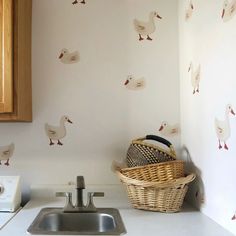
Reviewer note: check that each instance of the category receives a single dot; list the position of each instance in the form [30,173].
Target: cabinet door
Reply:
[6,56]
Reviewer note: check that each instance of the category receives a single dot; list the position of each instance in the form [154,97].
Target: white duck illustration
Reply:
[229,10]
[69,58]
[6,153]
[195,77]
[223,127]
[189,11]
[134,84]
[146,28]
[57,132]
[169,130]
[76,1]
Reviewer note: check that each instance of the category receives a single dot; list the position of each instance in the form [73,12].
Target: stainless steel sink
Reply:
[53,221]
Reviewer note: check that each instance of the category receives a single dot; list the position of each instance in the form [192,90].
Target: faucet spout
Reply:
[80,185]
[80,182]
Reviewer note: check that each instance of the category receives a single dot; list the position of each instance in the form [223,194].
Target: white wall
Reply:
[207,40]
[105,115]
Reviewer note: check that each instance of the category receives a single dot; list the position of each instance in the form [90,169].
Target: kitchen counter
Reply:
[137,222]
[5,217]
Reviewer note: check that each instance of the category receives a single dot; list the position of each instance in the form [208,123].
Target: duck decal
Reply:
[222,127]
[69,58]
[6,153]
[189,11]
[132,83]
[76,1]
[195,77]
[229,10]
[56,133]
[169,130]
[146,28]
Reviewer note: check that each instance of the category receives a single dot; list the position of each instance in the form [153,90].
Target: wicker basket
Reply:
[165,196]
[159,172]
[143,153]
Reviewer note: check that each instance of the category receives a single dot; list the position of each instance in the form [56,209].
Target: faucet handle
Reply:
[68,206]
[90,204]
[96,194]
[63,194]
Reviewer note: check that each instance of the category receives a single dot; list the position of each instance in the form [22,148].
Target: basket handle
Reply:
[185,180]
[167,184]
[160,140]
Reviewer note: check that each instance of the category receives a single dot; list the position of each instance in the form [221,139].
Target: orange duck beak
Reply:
[126,82]
[61,55]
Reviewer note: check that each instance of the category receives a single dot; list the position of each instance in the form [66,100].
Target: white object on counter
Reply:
[10,195]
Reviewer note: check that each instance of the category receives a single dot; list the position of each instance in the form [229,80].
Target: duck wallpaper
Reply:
[189,10]
[105,72]
[67,57]
[76,1]
[56,133]
[229,10]
[89,68]
[145,28]
[195,77]
[223,129]
[133,83]
[166,129]
[207,98]
[6,153]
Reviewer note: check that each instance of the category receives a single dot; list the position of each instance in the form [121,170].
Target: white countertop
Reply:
[5,217]
[138,223]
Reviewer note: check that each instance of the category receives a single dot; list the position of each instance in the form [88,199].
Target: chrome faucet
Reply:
[79,205]
[80,185]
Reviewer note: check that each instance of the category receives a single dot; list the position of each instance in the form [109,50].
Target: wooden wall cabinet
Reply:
[15,60]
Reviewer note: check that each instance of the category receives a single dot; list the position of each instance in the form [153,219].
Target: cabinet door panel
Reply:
[6,56]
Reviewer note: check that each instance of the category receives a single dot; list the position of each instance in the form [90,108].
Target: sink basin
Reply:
[53,221]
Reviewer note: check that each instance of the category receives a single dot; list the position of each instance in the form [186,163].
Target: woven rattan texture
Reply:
[157,199]
[157,187]
[156,172]
[141,154]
